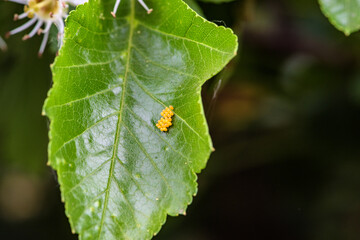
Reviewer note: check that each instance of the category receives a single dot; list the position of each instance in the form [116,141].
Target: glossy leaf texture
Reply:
[119,175]
[344,15]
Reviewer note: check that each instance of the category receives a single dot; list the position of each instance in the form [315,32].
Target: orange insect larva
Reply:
[166,121]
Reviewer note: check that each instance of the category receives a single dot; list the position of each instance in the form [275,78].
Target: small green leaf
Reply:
[119,175]
[343,14]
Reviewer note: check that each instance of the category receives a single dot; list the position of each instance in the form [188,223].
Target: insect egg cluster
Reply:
[166,121]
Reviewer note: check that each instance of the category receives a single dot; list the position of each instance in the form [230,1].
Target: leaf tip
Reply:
[347,32]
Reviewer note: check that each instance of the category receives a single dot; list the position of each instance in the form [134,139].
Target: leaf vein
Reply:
[87,97]
[150,158]
[87,176]
[89,64]
[133,179]
[132,208]
[72,139]
[97,33]
[159,101]
[154,131]
[148,60]
[184,38]
[118,127]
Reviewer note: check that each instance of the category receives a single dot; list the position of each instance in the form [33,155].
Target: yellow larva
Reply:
[166,121]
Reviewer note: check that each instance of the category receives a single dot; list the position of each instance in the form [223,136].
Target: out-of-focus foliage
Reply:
[24,82]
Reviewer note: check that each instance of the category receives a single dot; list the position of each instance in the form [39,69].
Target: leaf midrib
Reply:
[118,127]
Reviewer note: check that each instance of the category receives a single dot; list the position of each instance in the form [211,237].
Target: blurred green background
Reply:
[284,117]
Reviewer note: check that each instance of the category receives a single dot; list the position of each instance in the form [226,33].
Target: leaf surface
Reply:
[217,1]
[119,175]
[343,14]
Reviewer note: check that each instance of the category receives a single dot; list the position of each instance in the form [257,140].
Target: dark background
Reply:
[284,117]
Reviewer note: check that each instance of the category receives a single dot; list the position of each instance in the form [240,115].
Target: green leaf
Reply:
[119,175]
[344,15]
[217,1]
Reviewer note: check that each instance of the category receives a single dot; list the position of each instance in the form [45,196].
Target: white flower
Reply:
[2,44]
[117,3]
[43,12]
